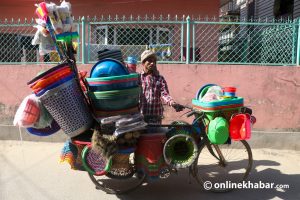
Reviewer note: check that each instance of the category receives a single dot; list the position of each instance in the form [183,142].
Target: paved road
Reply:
[31,170]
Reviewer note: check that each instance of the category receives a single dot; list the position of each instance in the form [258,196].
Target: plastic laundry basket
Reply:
[67,106]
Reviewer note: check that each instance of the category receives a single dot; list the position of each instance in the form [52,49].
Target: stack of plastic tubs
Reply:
[218,113]
[112,90]
[218,108]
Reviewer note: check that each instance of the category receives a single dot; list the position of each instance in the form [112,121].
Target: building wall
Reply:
[272,92]
[264,9]
[25,8]
[296,13]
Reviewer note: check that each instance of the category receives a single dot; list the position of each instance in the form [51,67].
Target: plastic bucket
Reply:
[149,154]
[240,127]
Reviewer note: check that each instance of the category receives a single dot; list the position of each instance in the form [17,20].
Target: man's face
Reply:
[150,64]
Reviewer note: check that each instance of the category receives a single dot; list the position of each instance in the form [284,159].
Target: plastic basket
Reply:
[121,167]
[67,106]
[94,163]
[149,154]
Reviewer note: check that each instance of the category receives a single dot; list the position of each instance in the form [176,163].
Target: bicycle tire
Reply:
[217,176]
[117,185]
[111,185]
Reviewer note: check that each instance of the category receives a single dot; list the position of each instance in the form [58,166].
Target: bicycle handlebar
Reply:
[192,111]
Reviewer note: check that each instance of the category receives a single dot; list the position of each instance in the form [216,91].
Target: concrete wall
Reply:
[272,92]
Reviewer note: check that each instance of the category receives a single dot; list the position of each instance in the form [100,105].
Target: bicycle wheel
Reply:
[218,167]
[118,185]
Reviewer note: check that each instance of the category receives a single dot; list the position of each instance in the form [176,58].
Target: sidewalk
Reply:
[31,171]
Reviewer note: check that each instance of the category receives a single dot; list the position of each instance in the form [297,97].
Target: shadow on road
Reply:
[181,187]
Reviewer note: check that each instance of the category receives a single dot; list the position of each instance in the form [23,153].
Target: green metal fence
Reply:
[175,39]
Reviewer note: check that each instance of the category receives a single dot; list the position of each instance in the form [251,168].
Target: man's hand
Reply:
[177,107]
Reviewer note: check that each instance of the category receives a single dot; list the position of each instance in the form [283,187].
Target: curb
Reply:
[259,139]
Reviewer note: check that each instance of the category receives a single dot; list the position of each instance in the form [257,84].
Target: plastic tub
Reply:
[115,99]
[108,67]
[113,82]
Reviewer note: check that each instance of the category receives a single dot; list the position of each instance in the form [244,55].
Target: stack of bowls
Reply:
[51,79]
[229,92]
[112,90]
[106,53]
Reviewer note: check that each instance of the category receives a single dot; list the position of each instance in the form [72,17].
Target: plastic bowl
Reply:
[229,89]
[203,90]
[48,80]
[54,85]
[113,82]
[43,74]
[218,130]
[108,67]
[115,99]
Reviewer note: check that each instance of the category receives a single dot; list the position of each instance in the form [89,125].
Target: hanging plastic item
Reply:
[218,132]
[240,127]
[42,11]
[28,112]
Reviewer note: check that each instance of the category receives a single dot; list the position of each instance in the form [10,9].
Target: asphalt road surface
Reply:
[31,170]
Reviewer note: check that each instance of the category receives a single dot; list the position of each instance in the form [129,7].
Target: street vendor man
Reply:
[155,90]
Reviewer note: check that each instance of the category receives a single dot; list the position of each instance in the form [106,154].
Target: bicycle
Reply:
[231,161]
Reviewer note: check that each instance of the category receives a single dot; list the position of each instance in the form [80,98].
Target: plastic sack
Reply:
[28,112]
[212,94]
[42,11]
[54,18]
[46,44]
[112,119]
[125,121]
[141,125]
[64,11]
[45,119]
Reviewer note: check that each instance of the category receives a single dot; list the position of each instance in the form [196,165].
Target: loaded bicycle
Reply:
[165,149]
[103,110]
